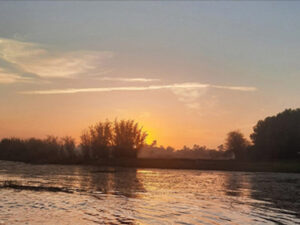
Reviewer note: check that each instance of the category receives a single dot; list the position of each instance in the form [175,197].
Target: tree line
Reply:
[274,138]
[196,152]
[103,140]
[48,150]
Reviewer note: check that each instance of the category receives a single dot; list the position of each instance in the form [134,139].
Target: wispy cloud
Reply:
[189,96]
[198,99]
[7,77]
[12,50]
[176,88]
[137,79]
[45,62]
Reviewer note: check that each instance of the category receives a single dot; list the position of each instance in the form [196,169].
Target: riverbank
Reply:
[288,166]
[227,165]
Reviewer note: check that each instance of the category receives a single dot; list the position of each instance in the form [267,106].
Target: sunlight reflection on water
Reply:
[146,196]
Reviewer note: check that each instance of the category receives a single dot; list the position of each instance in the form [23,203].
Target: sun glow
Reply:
[151,137]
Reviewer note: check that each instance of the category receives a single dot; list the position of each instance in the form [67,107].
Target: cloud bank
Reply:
[47,63]
[44,63]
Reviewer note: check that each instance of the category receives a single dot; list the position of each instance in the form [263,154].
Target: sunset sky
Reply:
[189,72]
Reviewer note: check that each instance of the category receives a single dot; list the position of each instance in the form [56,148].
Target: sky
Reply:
[188,71]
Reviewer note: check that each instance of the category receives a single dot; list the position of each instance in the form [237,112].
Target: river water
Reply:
[55,194]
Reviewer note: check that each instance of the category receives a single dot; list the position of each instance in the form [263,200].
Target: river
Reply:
[56,194]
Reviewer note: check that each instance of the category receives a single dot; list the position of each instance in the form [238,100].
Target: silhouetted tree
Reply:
[49,150]
[85,145]
[101,139]
[197,152]
[237,143]
[35,150]
[13,149]
[52,149]
[128,138]
[122,138]
[278,137]
[220,148]
[68,148]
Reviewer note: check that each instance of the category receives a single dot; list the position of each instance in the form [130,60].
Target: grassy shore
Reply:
[227,165]
[284,166]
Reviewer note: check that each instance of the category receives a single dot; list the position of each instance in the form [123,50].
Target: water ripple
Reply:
[49,194]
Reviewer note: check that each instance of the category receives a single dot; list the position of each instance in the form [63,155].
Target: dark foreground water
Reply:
[52,194]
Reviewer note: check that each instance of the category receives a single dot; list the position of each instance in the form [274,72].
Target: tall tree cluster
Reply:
[237,143]
[278,137]
[275,137]
[116,139]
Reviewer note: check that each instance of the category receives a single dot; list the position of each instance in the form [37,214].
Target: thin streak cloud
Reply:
[186,86]
[124,79]
[234,88]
